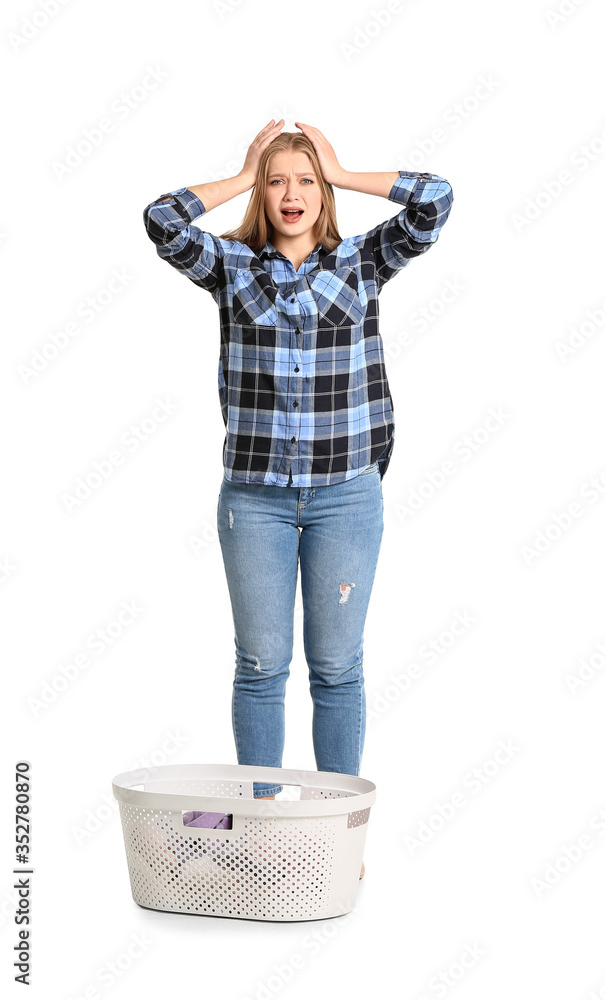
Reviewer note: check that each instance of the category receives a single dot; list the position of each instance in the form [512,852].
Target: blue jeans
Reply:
[336,531]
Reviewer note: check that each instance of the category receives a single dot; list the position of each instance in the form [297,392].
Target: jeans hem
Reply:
[262,794]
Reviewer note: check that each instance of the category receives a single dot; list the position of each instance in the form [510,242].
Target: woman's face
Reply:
[292,183]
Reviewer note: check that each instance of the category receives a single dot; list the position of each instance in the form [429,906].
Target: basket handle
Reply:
[210,824]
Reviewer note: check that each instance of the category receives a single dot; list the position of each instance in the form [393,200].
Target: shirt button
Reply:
[298,331]
[292,300]
[294,403]
[297,369]
[293,440]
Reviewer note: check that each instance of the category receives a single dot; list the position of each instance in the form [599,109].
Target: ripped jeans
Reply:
[336,532]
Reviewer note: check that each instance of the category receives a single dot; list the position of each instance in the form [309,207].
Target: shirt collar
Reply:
[270,251]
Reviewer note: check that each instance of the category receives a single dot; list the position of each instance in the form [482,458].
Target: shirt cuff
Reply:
[406,184]
[187,201]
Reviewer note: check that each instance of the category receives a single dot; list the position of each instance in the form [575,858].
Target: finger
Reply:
[270,125]
[261,133]
[313,133]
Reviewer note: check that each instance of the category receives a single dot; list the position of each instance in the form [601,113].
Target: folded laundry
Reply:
[208,820]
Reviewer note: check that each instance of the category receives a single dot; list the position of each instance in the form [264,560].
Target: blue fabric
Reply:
[338,546]
[302,382]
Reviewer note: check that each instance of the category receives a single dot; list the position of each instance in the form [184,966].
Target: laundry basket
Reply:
[293,859]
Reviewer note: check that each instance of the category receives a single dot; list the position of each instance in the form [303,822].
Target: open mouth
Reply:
[291,215]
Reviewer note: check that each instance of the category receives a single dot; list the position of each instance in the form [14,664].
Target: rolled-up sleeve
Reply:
[195,253]
[427,201]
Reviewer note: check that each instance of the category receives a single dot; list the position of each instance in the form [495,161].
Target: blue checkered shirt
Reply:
[301,378]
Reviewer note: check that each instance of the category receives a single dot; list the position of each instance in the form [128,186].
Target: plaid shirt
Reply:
[301,378]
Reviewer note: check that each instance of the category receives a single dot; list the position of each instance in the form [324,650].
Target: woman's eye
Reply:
[278,180]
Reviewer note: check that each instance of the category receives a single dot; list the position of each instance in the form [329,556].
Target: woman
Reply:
[308,415]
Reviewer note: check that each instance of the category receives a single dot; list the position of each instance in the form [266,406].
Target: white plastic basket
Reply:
[281,860]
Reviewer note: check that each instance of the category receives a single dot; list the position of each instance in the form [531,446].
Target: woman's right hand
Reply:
[256,148]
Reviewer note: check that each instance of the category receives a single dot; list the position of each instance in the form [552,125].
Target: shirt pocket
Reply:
[254,297]
[337,296]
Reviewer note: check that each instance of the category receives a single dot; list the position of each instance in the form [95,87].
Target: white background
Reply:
[512,95]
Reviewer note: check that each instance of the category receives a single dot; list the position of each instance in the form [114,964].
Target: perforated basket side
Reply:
[266,868]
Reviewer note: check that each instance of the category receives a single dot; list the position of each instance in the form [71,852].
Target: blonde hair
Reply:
[255,228]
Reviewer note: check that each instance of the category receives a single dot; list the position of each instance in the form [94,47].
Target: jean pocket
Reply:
[370,468]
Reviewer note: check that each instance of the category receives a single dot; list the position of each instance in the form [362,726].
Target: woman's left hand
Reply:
[330,167]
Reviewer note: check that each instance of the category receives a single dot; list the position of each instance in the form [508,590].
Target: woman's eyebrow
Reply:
[302,174]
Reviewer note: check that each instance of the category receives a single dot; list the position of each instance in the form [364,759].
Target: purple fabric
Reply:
[208,820]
